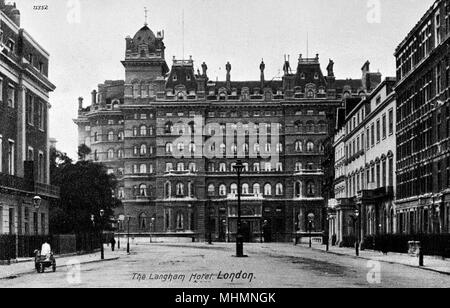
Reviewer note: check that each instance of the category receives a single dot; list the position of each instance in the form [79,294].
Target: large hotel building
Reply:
[133,127]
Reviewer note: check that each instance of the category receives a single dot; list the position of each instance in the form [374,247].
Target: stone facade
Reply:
[365,149]
[154,129]
[24,148]
[423,124]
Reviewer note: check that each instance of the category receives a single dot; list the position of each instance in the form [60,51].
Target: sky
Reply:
[86,39]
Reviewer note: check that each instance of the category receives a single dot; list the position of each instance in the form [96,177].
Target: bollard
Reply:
[420,257]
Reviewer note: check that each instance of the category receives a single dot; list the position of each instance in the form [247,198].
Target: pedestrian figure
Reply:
[113,243]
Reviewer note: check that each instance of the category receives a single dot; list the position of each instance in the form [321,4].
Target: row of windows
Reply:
[245,190]
[378,174]
[223,148]
[256,167]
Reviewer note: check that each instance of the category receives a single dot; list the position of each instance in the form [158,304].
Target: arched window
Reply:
[143,150]
[310,146]
[298,126]
[311,189]
[268,147]
[168,127]
[298,167]
[143,130]
[310,126]
[256,167]
[135,131]
[222,190]
[256,148]
[180,147]
[256,189]
[192,167]
[298,189]
[110,154]
[298,146]
[234,189]
[143,190]
[234,148]
[167,190]
[223,167]
[245,189]
[143,222]
[95,137]
[180,189]
[268,190]
[180,166]
[245,147]
[279,189]
[180,221]
[111,136]
[143,169]
[280,148]
[120,154]
[120,136]
[211,190]
[169,148]
[192,148]
[245,167]
[223,148]
[310,94]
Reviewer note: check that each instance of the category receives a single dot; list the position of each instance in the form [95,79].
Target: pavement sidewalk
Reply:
[26,266]
[431,263]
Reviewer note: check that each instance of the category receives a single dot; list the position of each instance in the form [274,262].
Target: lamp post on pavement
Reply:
[357,232]
[152,223]
[239,237]
[311,217]
[128,236]
[102,248]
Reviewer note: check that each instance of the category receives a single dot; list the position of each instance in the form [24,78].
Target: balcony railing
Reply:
[13,182]
[47,190]
[17,183]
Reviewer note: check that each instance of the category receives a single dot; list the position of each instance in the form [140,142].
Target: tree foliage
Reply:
[86,188]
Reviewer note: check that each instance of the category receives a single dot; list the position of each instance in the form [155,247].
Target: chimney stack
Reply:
[80,103]
[94,97]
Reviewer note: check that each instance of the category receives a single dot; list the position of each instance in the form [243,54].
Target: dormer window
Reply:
[175,78]
[188,78]
[316,76]
[302,76]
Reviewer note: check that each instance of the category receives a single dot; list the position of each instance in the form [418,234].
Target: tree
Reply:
[86,188]
[83,151]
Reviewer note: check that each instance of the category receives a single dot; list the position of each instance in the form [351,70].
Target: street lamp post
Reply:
[310,223]
[102,248]
[357,232]
[239,237]
[152,223]
[128,235]
[327,233]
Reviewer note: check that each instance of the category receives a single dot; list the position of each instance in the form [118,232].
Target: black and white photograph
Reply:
[224,150]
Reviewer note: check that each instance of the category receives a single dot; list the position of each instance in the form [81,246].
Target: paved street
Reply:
[268,265]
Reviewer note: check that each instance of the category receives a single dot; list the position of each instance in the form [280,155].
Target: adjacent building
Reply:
[365,149]
[423,124]
[24,135]
[172,137]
